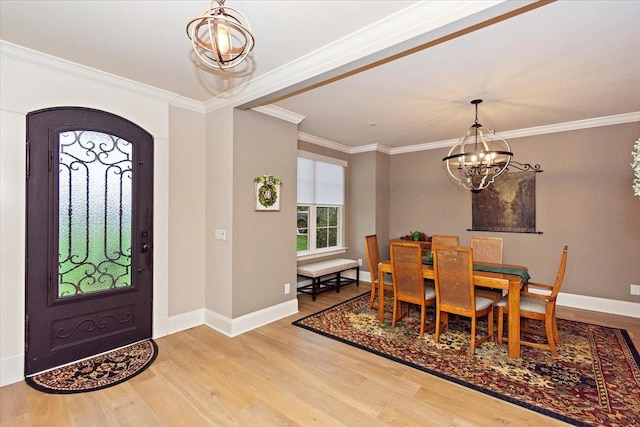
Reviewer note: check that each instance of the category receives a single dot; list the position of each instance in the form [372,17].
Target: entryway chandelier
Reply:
[221,36]
[479,157]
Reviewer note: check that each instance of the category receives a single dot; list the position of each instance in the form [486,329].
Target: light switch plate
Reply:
[221,234]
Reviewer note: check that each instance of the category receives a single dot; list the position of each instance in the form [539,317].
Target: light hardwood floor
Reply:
[277,375]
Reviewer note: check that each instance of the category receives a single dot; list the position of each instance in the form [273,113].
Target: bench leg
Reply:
[358,276]
[338,283]
[315,288]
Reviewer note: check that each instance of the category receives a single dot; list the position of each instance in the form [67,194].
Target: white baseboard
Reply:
[11,370]
[185,321]
[160,326]
[621,308]
[242,324]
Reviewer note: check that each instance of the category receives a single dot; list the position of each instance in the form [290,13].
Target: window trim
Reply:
[311,231]
[324,253]
[321,158]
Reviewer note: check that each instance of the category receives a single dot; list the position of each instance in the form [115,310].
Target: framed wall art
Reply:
[507,205]
[267,193]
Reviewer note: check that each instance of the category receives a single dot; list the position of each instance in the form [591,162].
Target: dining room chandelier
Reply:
[221,36]
[479,157]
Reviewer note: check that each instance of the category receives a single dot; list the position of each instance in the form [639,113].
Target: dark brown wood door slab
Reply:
[89,235]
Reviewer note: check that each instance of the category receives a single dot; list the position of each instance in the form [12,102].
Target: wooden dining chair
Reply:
[535,306]
[455,292]
[487,249]
[408,284]
[372,251]
[445,240]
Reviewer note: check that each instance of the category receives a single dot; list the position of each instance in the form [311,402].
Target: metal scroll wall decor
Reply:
[509,204]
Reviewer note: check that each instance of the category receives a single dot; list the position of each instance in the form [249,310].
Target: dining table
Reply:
[497,276]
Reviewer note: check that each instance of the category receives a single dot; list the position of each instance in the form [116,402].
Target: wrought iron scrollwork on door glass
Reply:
[95,200]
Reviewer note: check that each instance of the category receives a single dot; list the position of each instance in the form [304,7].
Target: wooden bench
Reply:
[325,275]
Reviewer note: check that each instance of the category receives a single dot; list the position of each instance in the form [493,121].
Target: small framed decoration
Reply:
[267,193]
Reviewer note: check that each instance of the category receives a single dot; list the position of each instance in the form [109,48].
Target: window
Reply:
[320,204]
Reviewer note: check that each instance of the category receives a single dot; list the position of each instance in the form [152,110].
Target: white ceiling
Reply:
[562,62]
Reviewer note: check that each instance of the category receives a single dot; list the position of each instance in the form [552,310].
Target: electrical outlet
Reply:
[635,289]
[287,288]
[360,262]
[221,234]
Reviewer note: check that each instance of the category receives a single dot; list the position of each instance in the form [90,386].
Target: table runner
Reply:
[491,269]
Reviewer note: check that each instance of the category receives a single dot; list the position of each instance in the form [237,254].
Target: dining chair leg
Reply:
[472,347]
[438,325]
[490,325]
[501,313]
[442,323]
[445,321]
[550,339]
[374,288]
[394,315]
[556,335]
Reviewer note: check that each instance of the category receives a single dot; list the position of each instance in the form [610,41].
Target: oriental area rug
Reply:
[595,380]
[98,372]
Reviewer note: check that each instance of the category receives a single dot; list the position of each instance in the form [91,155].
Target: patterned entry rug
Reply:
[98,372]
[594,381]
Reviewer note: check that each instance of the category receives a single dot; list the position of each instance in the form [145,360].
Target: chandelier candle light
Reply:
[221,36]
[479,157]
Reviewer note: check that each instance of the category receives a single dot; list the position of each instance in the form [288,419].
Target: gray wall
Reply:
[584,200]
[369,212]
[362,212]
[264,242]
[383,200]
[186,210]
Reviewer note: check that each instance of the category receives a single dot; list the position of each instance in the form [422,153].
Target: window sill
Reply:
[320,254]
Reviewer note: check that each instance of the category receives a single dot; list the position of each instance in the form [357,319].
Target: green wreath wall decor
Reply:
[268,191]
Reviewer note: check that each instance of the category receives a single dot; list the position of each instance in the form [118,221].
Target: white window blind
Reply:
[320,182]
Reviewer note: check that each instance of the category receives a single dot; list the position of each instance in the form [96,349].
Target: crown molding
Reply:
[341,147]
[324,142]
[424,147]
[533,131]
[43,60]
[512,134]
[46,61]
[371,147]
[576,125]
[280,113]
[188,104]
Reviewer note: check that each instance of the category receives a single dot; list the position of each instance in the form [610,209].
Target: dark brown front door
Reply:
[89,228]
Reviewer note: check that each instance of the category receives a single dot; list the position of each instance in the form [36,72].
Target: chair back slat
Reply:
[373,255]
[445,240]
[453,270]
[406,266]
[487,249]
